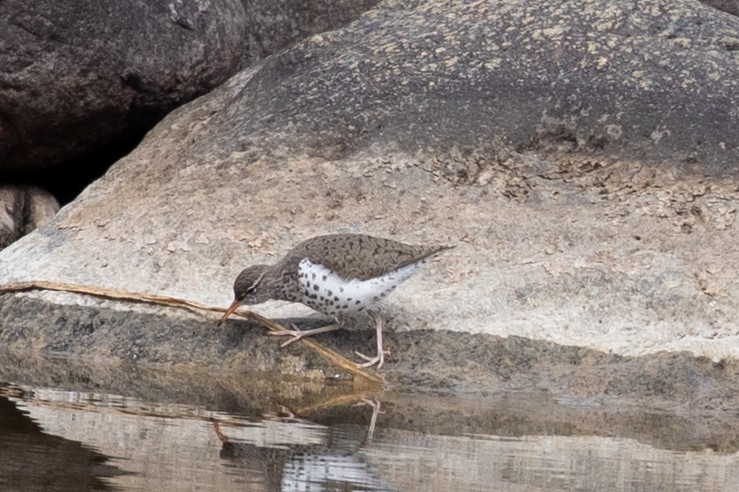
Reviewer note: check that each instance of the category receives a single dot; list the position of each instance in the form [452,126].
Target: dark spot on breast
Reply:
[336,298]
[330,293]
[348,299]
[307,284]
[315,287]
[341,289]
[314,296]
[360,309]
[325,278]
[306,292]
[358,302]
[344,307]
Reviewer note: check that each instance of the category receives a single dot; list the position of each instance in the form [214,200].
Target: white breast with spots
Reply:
[325,291]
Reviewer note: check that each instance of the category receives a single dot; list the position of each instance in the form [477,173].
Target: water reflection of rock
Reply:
[31,459]
[163,432]
[422,443]
[678,427]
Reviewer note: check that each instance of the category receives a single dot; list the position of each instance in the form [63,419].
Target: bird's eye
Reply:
[245,293]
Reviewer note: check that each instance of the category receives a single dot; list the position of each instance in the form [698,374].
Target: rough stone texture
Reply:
[90,72]
[79,73]
[728,6]
[582,155]
[276,24]
[22,210]
[437,361]
[155,339]
[647,83]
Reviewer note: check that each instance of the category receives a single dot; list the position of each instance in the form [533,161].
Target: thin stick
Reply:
[120,295]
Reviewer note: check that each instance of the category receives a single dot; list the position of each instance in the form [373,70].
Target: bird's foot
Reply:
[298,334]
[294,333]
[379,359]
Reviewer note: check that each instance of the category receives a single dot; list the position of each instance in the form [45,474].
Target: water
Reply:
[336,439]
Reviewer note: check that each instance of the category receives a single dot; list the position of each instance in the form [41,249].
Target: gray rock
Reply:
[276,24]
[435,360]
[728,6]
[79,73]
[580,154]
[90,72]
[657,83]
[11,214]
[22,210]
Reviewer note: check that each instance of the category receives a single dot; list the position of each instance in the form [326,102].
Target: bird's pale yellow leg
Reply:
[379,359]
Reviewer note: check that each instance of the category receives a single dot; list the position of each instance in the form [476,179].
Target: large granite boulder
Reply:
[275,24]
[92,72]
[581,155]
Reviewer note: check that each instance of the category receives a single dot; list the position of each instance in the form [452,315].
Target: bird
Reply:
[337,275]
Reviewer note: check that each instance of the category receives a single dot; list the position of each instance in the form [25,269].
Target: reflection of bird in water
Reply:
[332,462]
[375,405]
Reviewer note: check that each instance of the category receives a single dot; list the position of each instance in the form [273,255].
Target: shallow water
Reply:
[59,439]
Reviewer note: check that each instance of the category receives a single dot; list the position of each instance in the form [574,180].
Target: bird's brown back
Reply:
[357,256]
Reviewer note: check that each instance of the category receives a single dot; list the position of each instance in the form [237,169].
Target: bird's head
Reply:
[249,289]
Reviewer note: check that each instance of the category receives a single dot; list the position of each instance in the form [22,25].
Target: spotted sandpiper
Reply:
[337,274]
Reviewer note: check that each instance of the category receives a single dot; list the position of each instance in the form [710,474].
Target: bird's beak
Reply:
[233,307]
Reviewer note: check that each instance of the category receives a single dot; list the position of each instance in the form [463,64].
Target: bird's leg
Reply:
[375,404]
[297,334]
[379,359]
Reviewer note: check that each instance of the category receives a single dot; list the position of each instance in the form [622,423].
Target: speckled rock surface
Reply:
[581,155]
[276,24]
[728,6]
